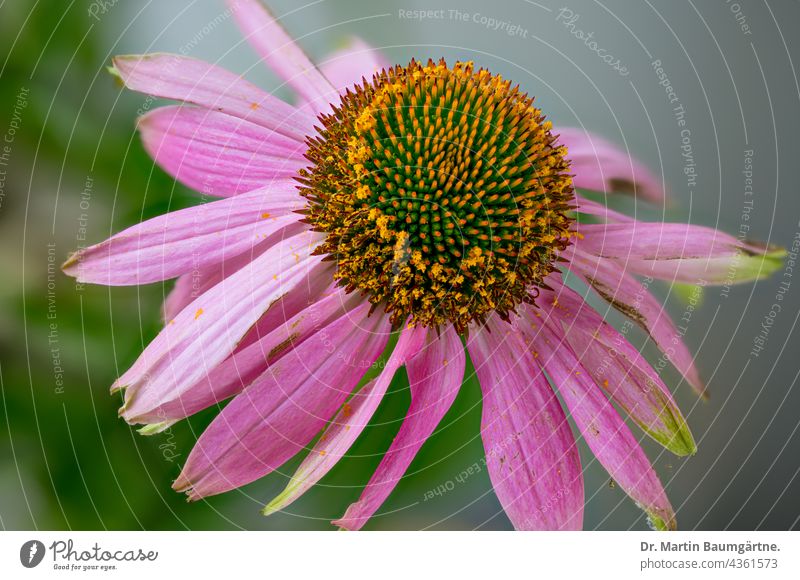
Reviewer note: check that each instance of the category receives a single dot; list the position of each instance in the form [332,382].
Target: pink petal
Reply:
[616,365]
[181,78]
[604,430]
[672,251]
[178,242]
[305,294]
[633,298]
[281,53]
[600,210]
[182,294]
[530,451]
[434,376]
[239,370]
[276,416]
[600,165]
[191,285]
[208,330]
[347,67]
[217,154]
[348,424]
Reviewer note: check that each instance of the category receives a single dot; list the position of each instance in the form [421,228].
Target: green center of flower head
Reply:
[442,193]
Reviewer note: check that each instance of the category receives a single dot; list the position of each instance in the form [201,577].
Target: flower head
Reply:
[441,191]
[430,202]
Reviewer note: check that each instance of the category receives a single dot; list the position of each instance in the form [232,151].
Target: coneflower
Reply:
[432,202]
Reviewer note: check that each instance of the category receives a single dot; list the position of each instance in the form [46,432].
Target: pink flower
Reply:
[427,202]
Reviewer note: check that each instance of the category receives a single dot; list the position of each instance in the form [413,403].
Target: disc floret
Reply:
[442,192]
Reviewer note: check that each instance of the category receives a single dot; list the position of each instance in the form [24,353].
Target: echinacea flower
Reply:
[429,207]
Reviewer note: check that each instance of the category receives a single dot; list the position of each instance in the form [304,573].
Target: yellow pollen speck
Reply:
[255,106]
[198,313]
[265,215]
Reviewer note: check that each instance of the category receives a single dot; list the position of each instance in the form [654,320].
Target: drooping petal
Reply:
[616,365]
[178,242]
[217,154]
[191,285]
[604,430]
[531,454]
[308,292]
[276,417]
[347,425]
[207,331]
[239,370]
[281,53]
[434,377]
[347,66]
[600,165]
[600,210]
[680,252]
[181,295]
[181,78]
[633,299]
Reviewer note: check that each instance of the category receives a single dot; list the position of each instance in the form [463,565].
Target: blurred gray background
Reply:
[68,463]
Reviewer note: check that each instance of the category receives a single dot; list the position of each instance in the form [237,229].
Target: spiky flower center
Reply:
[442,192]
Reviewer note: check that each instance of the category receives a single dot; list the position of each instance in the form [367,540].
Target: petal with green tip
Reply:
[348,424]
[605,432]
[623,373]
